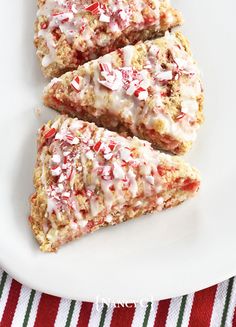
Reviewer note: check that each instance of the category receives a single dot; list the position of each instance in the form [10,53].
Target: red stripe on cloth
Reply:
[123,317]
[47,311]
[234,318]
[85,313]
[162,313]
[202,307]
[11,304]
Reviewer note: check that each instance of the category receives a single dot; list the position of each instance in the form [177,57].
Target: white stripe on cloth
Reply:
[21,307]
[173,312]
[187,311]
[139,314]
[218,306]
[62,313]
[232,306]
[95,315]
[4,297]
[76,313]
[109,314]
[34,309]
[153,313]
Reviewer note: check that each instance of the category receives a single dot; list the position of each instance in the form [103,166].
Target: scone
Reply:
[70,32]
[88,177]
[151,90]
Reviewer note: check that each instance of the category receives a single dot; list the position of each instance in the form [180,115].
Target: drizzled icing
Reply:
[88,24]
[140,96]
[93,171]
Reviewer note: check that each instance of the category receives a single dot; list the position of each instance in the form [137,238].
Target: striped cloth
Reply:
[21,306]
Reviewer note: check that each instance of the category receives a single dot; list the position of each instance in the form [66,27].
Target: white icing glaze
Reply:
[75,19]
[128,52]
[138,97]
[115,178]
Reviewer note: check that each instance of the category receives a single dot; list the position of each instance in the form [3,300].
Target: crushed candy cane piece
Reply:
[50,133]
[76,83]
[66,195]
[73,8]
[56,158]
[56,171]
[108,156]
[165,76]
[97,146]
[105,67]
[90,155]
[141,93]
[154,50]
[62,178]
[93,8]
[65,16]
[112,145]
[118,172]
[44,25]
[180,116]
[125,154]
[104,18]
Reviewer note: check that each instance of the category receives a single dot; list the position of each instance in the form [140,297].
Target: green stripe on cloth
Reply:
[29,307]
[227,301]
[70,313]
[181,311]
[103,315]
[3,281]
[147,314]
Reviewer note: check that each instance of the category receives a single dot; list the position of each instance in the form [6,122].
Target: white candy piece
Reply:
[56,172]
[56,158]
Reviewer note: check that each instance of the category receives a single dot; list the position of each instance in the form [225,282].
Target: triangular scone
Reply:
[151,90]
[70,32]
[88,177]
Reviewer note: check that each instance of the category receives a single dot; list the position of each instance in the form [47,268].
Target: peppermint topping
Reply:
[165,76]
[75,21]
[141,93]
[109,166]
[111,80]
[76,83]
[94,8]
[50,133]
[127,78]
[56,158]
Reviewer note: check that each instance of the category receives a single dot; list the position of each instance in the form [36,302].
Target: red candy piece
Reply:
[180,116]
[76,84]
[44,25]
[190,185]
[50,133]
[138,91]
[105,68]
[97,146]
[112,145]
[93,8]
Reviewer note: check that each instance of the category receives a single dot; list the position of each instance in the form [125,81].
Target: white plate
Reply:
[160,256]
